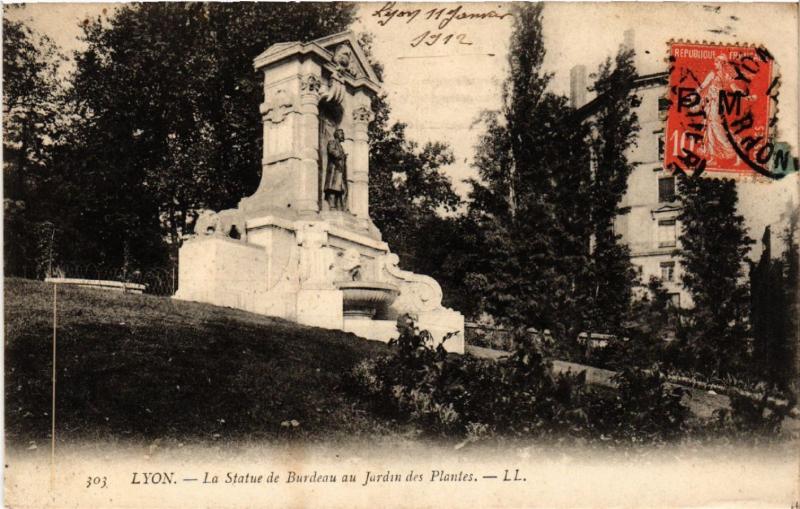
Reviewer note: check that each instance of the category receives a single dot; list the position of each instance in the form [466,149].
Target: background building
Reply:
[651,228]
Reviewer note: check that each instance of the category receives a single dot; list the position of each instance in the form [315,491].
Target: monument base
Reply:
[293,270]
[447,326]
[444,325]
[320,308]
[376,330]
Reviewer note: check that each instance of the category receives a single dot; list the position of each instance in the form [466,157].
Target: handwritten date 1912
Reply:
[431,38]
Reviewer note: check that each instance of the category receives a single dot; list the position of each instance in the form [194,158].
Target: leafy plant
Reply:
[755,419]
[519,396]
[714,246]
[645,408]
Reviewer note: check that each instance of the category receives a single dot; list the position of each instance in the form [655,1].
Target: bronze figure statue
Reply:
[336,174]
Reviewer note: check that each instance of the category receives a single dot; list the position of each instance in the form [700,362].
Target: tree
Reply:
[772,357]
[31,111]
[412,200]
[714,245]
[530,201]
[30,104]
[651,323]
[773,291]
[615,126]
[171,125]
[407,185]
[791,285]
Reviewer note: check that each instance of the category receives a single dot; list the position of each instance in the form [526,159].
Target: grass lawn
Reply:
[143,367]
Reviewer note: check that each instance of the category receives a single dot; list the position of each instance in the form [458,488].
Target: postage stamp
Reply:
[723,100]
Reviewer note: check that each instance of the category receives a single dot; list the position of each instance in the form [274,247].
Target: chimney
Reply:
[577,86]
[629,39]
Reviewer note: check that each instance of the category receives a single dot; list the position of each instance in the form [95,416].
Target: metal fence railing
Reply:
[497,337]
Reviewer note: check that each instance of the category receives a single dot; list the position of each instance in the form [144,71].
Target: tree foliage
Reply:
[791,285]
[30,104]
[550,257]
[407,186]
[615,127]
[32,113]
[773,289]
[714,245]
[169,102]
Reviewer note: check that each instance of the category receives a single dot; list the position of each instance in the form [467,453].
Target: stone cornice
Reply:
[314,49]
[273,221]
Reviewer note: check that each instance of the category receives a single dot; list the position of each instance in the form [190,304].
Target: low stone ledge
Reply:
[99,284]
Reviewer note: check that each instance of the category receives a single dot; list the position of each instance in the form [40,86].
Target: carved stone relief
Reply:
[278,106]
[207,223]
[310,84]
[316,260]
[418,293]
[362,114]
[348,265]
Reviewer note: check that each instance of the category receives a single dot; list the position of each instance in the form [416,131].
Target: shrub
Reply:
[752,419]
[519,396]
[644,408]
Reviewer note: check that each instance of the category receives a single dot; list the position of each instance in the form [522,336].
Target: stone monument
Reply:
[303,246]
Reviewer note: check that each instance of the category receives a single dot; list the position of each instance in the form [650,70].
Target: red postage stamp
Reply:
[719,116]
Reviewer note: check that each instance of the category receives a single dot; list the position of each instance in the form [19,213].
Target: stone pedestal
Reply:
[222,271]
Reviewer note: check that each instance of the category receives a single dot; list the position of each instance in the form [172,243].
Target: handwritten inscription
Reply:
[442,17]
[431,38]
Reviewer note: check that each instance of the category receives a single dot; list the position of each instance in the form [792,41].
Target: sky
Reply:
[439,85]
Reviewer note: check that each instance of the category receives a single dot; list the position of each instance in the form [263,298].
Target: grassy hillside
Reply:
[141,366]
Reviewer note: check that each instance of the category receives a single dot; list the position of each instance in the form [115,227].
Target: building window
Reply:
[661,147]
[667,235]
[663,106]
[675,300]
[667,271]
[666,189]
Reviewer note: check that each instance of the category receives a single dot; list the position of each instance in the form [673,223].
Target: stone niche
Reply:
[290,250]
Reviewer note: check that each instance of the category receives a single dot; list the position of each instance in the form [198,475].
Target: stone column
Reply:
[307,145]
[358,161]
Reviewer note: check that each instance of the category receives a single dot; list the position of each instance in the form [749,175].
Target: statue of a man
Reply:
[336,174]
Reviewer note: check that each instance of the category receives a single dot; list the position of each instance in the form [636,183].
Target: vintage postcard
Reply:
[389,254]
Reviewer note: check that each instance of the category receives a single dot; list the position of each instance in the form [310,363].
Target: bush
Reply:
[644,408]
[518,396]
[751,419]
[461,395]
